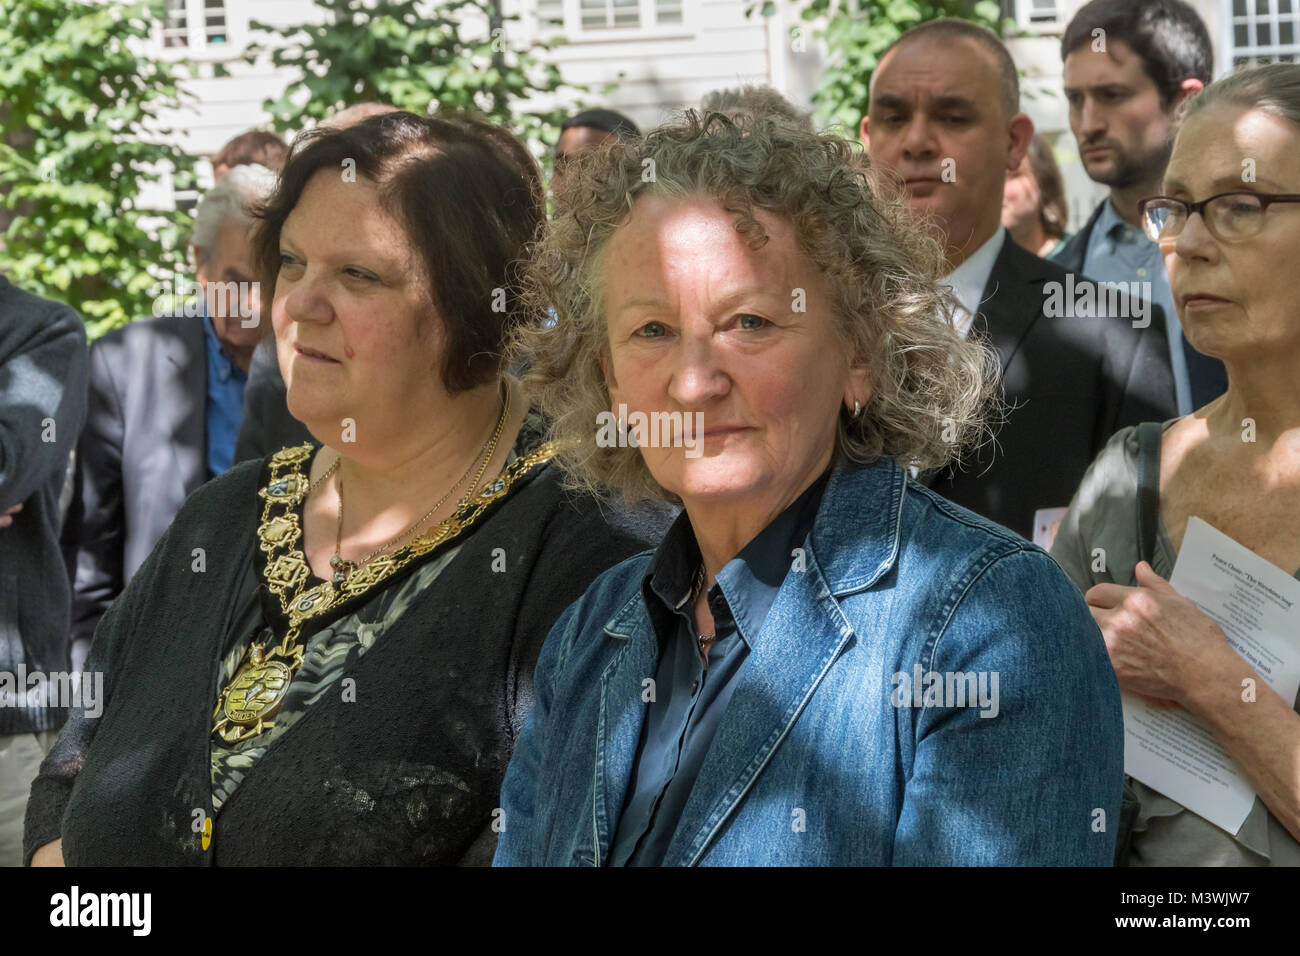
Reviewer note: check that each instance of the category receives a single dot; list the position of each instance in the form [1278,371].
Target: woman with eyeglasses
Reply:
[1229,228]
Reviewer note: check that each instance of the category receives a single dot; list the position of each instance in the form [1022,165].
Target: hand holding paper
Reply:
[1226,612]
[1160,643]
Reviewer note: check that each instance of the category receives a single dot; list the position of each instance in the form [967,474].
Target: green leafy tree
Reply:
[418,56]
[81,137]
[857,33]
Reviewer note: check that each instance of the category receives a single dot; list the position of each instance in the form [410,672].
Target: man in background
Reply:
[253,148]
[944,116]
[1129,68]
[166,397]
[587,130]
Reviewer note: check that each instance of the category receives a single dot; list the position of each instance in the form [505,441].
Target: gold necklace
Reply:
[328,471]
[343,568]
[248,704]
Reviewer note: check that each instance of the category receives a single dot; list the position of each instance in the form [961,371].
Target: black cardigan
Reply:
[407,773]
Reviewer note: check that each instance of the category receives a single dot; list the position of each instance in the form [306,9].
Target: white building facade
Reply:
[663,54]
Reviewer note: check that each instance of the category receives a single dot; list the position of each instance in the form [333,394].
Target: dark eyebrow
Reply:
[954,101]
[1099,88]
[889,101]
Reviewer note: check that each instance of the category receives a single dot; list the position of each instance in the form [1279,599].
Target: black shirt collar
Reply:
[748,583]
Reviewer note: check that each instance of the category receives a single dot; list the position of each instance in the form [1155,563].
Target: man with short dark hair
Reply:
[944,115]
[972,89]
[1129,68]
[587,130]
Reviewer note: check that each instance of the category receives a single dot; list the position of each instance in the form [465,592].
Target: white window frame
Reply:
[1025,7]
[197,47]
[649,27]
[1253,50]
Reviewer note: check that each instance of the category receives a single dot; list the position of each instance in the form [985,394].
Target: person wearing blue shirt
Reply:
[227,376]
[1125,93]
[165,400]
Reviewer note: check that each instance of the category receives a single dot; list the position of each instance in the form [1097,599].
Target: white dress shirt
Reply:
[969,279]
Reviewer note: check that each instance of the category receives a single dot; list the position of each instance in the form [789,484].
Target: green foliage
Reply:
[857,33]
[79,114]
[418,56]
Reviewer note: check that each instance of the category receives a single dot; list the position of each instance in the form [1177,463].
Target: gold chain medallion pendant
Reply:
[252,697]
[248,704]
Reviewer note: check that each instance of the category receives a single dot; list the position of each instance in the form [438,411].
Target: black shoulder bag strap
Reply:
[1148,491]
[1148,517]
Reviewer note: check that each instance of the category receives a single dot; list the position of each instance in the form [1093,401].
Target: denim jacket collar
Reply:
[858,528]
[854,542]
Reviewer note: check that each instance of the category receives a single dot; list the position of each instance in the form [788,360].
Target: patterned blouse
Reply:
[331,650]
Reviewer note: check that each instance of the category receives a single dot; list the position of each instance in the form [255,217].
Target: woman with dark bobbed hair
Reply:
[327,657]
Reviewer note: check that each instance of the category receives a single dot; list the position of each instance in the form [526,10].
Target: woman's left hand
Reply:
[1160,643]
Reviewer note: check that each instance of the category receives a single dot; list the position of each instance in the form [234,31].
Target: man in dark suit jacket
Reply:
[944,115]
[1070,383]
[141,454]
[166,395]
[42,405]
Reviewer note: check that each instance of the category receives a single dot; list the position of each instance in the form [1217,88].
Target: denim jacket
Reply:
[928,689]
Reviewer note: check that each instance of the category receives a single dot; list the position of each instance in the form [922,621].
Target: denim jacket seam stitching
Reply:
[736,790]
[598,789]
[618,618]
[949,510]
[961,590]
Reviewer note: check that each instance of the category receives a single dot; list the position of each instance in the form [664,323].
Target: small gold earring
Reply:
[857,408]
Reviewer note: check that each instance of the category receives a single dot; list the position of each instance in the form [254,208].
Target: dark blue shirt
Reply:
[225,402]
[689,700]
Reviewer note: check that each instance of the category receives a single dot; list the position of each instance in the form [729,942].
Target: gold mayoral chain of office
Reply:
[249,702]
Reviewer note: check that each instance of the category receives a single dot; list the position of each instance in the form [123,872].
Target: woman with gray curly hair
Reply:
[823,662]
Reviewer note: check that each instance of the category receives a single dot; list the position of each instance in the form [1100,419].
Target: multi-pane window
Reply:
[607,14]
[214,21]
[594,17]
[1265,31]
[550,14]
[176,27]
[1033,16]
[668,11]
[194,24]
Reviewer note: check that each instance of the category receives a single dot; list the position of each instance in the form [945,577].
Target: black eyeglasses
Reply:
[1228,216]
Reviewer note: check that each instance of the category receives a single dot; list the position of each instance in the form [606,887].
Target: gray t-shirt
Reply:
[1103,515]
